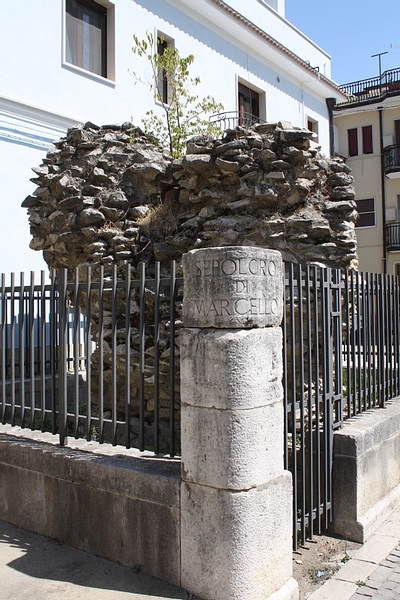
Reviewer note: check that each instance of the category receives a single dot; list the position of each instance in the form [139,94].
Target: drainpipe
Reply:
[383,186]
[330,103]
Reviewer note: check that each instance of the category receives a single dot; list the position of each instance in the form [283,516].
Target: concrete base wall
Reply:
[366,472]
[119,504]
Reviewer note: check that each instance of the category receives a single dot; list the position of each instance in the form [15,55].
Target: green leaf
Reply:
[184,115]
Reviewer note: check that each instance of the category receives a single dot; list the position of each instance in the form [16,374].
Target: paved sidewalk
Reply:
[374,570]
[32,566]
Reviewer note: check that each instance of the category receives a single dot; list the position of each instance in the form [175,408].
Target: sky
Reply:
[351,31]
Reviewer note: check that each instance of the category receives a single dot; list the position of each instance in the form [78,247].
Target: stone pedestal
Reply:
[236,539]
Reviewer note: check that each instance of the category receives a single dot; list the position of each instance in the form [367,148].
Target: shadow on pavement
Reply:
[24,555]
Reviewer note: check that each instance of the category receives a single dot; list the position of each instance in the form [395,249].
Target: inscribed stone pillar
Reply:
[236,540]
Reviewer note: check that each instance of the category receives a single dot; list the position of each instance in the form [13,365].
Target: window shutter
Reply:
[367,139]
[352,141]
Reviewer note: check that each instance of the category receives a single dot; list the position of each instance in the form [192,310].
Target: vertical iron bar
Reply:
[100,342]
[42,342]
[353,343]
[324,365]
[293,407]
[32,348]
[114,353]
[22,348]
[157,358]
[317,304]
[389,349]
[12,371]
[363,367]
[367,329]
[310,405]
[374,298]
[348,329]
[88,347]
[128,356]
[172,358]
[338,342]
[357,340]
[301,400]
[382,340]
[4,349]
[327,384]
[75,345]
[388,346]
[53,345]
[396,301]
[142,340]
[285,377]
[63,426]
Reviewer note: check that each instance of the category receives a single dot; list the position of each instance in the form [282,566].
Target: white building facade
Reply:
[70,61]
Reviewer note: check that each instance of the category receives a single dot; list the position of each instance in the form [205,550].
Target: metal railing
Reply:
[392,233]
[391,158]
[341,358]
[373,88]
[97,358]
[233,119]
[68,335]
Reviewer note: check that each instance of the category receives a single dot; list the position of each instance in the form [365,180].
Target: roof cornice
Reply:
[260,32]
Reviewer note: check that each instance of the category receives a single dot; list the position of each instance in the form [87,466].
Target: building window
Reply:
[366,211]
[163,42]
[86,36]
[312,125]
[397,132]
[367,139]
[249,106]
[352,139]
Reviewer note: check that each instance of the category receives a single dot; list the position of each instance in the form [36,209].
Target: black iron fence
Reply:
[98,357]
[341,358]
[391,159]
[65,348]
[392,234]
[372,88]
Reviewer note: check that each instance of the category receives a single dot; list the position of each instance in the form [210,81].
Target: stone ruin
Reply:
[107,196]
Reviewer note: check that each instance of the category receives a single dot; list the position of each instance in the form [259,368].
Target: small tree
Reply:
[184,114]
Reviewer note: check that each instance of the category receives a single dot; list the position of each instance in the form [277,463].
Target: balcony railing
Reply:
[232,119]
[392,234]
[373,88]
[391,159]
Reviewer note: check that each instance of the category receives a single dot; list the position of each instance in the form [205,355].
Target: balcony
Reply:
[391,161]
[392,236]
[371,90]
[232,119]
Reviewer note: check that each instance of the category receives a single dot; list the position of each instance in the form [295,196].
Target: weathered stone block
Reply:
[236,545]
[239,448]
[109,502]
[234,286]
[231,369]
[366,475]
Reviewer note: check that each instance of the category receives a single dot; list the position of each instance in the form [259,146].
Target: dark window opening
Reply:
[352,139]
[86,35]
[397,132]
[366,211]
[312,125]
[367,139]
[249,106]
[162,83]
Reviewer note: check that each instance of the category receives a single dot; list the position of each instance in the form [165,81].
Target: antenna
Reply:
[393,46]
[379,56]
